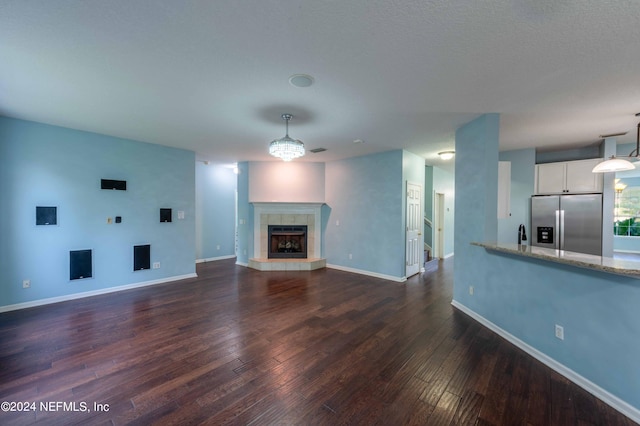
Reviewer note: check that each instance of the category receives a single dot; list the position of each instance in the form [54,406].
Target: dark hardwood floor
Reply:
[240,346]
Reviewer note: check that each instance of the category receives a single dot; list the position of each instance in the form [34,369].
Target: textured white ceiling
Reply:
[212,76]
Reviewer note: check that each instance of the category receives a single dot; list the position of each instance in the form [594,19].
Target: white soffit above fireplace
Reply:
[300,182]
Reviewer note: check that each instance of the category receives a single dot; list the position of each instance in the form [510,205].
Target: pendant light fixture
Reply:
[286,148]
[614,164]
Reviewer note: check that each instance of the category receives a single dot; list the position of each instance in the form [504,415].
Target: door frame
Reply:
[438,224]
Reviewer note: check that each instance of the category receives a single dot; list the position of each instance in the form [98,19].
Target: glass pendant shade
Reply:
[613,165]
[286,148]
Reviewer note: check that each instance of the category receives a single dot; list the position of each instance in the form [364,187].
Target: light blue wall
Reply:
[592,151]
[365,196]
[626,244]
[215,211]
[245,216]
[42,165]
[444,183]
[630,181]
[608,148]
[413,169]
[599,313]
[527,297]
[476,197]
[522,187]
[624,149]
[428,204]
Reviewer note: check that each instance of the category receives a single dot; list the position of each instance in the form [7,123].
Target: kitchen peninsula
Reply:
[581,260]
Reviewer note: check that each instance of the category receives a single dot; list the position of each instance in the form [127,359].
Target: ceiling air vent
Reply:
[317,150]
[611,135]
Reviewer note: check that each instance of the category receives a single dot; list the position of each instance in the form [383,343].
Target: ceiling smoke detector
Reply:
[301,80]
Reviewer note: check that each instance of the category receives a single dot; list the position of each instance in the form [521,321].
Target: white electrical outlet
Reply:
[26,283]
[180,214]
[218,247]
[350,256]
[560,332]
[156,265]
[337,223]
[471,290]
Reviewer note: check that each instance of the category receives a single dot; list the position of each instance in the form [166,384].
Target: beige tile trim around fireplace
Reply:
[265,214]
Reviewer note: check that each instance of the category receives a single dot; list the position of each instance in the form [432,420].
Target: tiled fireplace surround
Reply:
[266,214]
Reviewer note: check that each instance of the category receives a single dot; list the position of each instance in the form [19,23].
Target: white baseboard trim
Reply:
[625,251]
[245,264]
[213,259]
[446,256]
[622,406]
[369,273]
[98,292]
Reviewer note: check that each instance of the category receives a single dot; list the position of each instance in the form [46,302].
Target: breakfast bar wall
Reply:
[524,299]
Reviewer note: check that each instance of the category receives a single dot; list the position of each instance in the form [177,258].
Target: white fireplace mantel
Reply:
[260,209]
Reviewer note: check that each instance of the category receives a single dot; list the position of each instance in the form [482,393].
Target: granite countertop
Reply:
[599,263]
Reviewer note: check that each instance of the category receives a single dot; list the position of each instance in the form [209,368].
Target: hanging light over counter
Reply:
[614,164]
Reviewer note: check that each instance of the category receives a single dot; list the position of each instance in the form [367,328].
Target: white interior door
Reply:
[414,253]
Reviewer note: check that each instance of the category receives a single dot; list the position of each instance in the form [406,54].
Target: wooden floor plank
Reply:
[238,346]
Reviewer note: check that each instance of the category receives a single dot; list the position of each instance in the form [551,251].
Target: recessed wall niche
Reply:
[80,264]
[165,215]
[46,215]
[141,257]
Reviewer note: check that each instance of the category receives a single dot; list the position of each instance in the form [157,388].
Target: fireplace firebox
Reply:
[287,242]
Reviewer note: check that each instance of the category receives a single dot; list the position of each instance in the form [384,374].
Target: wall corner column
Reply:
[476,196]
[608,200]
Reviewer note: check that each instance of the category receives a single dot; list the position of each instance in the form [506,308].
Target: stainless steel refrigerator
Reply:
[567,222]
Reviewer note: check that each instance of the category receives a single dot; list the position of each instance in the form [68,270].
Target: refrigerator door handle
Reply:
[557,243]
[561,229]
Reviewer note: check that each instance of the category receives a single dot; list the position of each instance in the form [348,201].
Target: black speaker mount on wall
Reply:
[165,215]
[141,257]
[120,185]
[80,264]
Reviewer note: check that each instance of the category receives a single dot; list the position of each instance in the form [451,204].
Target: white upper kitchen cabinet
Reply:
[568,177]
[551,178]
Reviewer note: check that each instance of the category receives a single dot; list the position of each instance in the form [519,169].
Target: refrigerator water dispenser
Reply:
[545,234]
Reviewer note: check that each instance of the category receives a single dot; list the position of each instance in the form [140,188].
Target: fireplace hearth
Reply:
[287,241]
